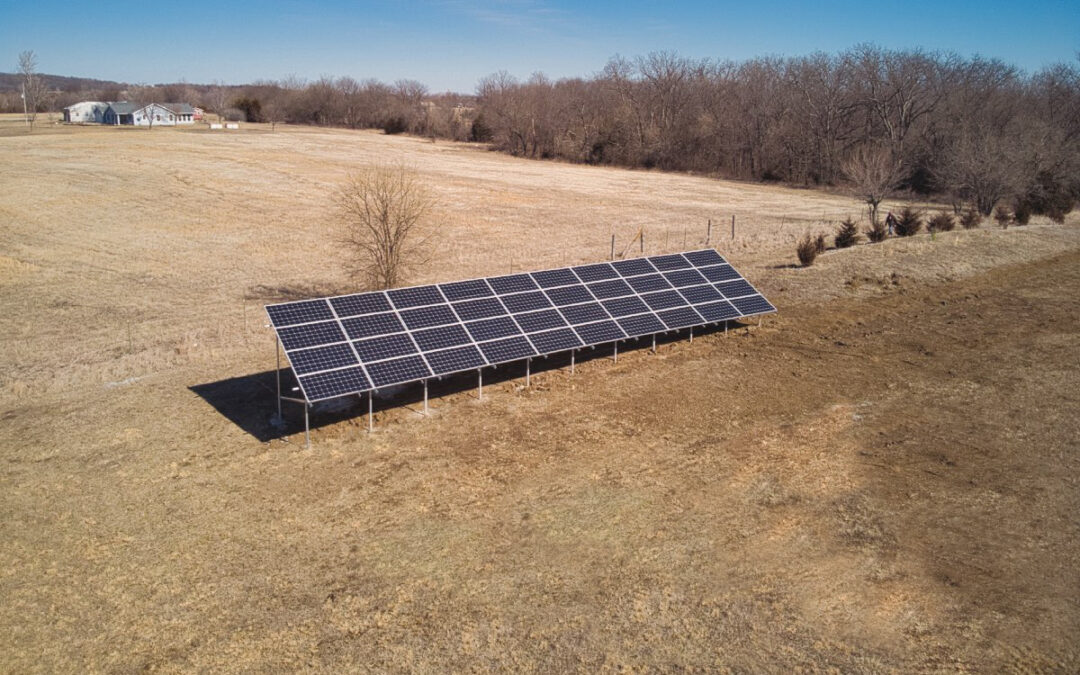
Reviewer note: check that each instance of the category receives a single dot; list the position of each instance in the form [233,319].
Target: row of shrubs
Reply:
[908,223]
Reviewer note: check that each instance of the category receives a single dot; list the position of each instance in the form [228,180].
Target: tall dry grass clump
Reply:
[807,250]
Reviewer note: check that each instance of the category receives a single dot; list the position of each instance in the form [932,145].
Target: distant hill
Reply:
[13,82]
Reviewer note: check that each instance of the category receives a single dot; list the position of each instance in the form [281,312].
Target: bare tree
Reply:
[143,97]
[217,100]
[273,111]
[874,172]
[34,93]
[384,210]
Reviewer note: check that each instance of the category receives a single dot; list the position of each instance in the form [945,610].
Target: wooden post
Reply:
[641,241]
[612,247]
[708,232]
[733,227]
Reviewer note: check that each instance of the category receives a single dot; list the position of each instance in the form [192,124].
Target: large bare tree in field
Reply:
[385,210]
[34,92]
[874,172]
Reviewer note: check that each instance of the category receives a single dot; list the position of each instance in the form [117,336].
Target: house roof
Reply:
[179,108]
[123,107]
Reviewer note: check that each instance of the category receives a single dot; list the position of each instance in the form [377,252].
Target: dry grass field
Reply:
[883,477]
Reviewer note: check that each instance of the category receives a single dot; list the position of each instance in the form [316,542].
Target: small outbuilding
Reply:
[86,112]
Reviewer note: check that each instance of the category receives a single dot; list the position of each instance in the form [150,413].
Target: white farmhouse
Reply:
[92,112]
[164,114]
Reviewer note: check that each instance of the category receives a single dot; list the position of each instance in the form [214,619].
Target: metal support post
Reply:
[725,327]
[307,432]
[480,383]
[654,343]
[691,335]
[370,415]
[528,368]
[573,352]
[425,399]
[759,320]
[277,354]
[616,352]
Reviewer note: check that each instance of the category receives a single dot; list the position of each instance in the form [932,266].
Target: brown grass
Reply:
[860,485]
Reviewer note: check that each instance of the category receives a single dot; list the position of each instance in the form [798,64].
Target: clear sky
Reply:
[450,44]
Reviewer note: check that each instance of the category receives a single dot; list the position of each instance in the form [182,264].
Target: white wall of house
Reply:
[86,112]
[160,115]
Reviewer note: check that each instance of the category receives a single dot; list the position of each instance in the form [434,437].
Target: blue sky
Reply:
[450,44]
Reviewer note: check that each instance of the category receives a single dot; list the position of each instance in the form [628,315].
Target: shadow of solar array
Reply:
[356,343]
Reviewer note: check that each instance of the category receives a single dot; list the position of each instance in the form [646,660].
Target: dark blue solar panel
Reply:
[569,295]
[596,272]
[599,333]
[373,324]
[322,358]
[555,341]
[754,304]
[611,289]
[299,312]
[503,351]
[441,337]
[397,371]
[698,294]
[717,311]
[525,302]
[464,290]
[642,324]
[702,258]
[417,296]
[625,306]
[552,278]
[684,278]
[479,309]
[720,273]
[680,318]
[490,329]
[535,321]
[735,289]
[428,316]
[310,335]
[455,360]
[321,386]
[633,267]
[666,263]
[384,347]
[513,283]
[663,300]
[586,313]
[363,303]
[649,282]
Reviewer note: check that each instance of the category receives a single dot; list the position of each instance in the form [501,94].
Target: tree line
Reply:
[975,131]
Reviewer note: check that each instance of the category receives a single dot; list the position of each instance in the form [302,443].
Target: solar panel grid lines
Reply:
[334,383]
[433,330]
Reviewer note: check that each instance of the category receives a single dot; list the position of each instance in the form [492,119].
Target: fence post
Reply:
[708,232]
[733,227]
[612,247]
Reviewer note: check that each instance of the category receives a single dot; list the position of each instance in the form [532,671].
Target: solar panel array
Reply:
[356,343]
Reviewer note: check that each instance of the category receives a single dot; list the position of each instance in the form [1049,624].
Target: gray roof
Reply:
[179,108]
[127,107]
[123,107]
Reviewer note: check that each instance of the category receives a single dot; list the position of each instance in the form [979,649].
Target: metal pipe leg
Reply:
[691,335]
[759,321]
[425,399]
[307,432]
[654,343]
[277,353]
[573,352]
[616,352]
[725,327]
[370,415]
[480,384]
[528,367]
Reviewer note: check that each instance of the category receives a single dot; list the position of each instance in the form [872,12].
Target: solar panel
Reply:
[479,309]
[525,302]
[384,347]
[350,344]
[293,313]
[398,371]
[665,263]
[614,288]
[504,351]
[569,295]
[362,303]
[597,272]
[633,267]
[441,337]
[705,257]
[491,329]
[555,341]
[537,321]
[586,313]
[417,296]
[455,360]
[424,317]
[464,290]
[600,332]
[513,283]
